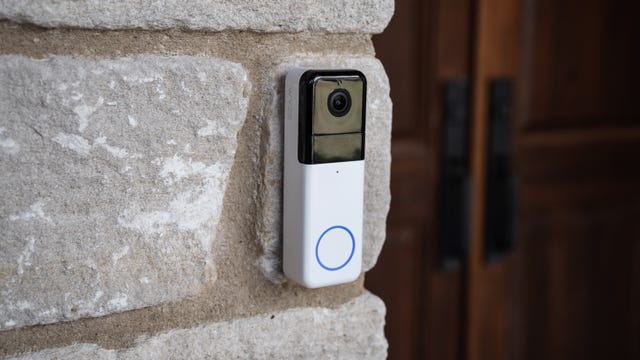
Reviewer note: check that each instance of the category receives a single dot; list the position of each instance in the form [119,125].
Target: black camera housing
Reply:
[331,118]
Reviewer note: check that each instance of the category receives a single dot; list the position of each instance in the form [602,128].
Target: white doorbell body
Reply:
[324,132]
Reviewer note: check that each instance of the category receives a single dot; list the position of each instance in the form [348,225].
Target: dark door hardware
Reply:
[455,185]
[500,219]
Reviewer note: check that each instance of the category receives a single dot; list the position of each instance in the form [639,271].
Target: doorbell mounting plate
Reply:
[324,142]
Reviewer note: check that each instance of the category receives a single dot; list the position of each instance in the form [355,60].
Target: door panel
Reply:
[569,290]
[490,301]
[448,57]
[578,143]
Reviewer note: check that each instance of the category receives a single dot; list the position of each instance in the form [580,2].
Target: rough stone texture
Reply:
[113,173]
[358,16]
[240,290]
[352,331]
[377,159]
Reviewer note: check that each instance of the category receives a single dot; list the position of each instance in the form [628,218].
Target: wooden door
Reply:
[570,288]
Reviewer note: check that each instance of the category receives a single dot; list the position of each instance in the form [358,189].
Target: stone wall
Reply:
[140,187]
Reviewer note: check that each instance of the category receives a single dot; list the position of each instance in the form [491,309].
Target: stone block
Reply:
[377,160]
[357,16]
[351,331]
[113,175]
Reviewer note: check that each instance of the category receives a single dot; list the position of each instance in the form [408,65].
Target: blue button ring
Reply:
[353,248]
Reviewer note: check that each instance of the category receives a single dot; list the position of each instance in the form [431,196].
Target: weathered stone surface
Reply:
[377,160]
[113,174]
[352,331]
[360,16]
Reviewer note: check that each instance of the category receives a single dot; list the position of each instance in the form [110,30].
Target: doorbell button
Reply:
[335,248]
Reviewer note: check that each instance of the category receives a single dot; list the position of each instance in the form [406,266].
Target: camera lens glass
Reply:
[339,102]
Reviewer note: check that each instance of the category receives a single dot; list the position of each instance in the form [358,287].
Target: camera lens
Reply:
[339,102]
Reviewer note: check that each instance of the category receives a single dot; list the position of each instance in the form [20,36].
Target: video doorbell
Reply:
[324,142]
